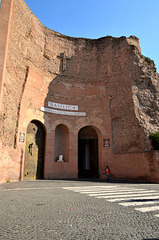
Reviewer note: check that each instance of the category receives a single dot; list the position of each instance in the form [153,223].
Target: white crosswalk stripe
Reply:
[115,195]
[135,198]
[143,200]
[127,204]
[148,209]
[121,197]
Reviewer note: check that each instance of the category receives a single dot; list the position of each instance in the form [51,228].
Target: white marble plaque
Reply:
[49,110]
[63,106]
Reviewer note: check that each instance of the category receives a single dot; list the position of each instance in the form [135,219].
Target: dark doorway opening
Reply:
[87,153]
[34,151]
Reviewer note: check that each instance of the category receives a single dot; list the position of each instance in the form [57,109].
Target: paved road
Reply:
[78,210]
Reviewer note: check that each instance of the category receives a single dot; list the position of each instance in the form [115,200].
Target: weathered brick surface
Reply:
[101,78]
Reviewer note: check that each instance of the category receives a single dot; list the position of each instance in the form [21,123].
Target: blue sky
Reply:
[99,18]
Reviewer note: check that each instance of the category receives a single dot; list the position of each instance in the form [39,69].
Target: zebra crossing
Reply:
[143,200]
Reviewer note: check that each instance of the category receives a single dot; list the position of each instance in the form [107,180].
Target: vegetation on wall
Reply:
[149,61]
[154,137]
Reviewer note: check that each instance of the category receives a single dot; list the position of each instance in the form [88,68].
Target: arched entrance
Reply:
[87,153]
[34,151]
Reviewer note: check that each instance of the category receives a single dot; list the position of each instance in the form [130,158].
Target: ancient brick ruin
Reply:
[70,106]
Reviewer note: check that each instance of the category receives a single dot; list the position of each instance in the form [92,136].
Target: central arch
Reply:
[87,153]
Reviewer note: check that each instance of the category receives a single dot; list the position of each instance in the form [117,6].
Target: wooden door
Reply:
[34,151]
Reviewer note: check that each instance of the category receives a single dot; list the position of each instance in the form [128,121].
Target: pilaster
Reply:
[6,7]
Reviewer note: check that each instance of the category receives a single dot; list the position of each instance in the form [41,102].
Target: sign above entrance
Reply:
[49,110]
[54,106]
[63,106]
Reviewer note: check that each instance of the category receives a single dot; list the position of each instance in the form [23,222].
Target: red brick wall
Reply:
[136,166]
[98,79]
[5,18]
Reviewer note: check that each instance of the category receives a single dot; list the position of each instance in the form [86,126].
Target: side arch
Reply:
[34,151]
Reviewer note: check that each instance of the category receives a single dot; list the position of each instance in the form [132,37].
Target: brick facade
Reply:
[97,79]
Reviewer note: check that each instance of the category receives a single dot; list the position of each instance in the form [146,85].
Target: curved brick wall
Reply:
[98,79]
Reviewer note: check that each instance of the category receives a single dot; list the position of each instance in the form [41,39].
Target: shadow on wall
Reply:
[60,93]
[70,88]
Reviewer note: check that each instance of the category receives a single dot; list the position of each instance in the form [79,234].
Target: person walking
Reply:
[107,173]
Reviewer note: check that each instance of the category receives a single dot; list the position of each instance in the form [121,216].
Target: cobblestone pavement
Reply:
[59,209]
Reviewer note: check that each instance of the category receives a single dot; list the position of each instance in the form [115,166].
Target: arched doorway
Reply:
[87,153]
[34,151]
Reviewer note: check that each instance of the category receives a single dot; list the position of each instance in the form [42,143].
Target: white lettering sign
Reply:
[63,106]
[49,110]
